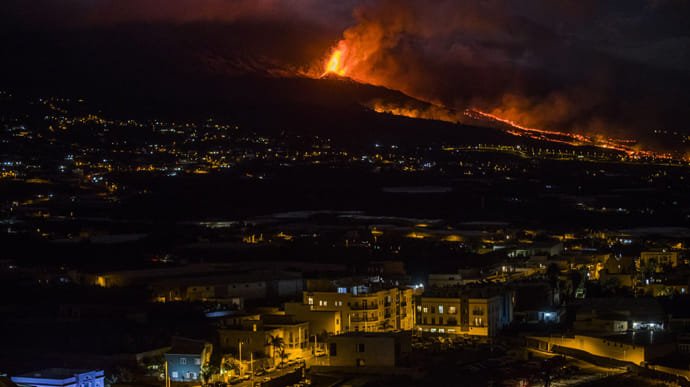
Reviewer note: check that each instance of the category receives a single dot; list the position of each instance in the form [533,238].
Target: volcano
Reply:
[333,106]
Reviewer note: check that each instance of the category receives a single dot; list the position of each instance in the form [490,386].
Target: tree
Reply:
[207,371]
[276,343]
[552,274]
[230,365]
[610,286]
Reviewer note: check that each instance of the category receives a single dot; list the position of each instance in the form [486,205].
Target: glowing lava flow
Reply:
[554,136]
[574,136]
[516,129]
[571,138]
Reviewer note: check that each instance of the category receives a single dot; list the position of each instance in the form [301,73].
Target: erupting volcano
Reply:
[336,62]
[344,57]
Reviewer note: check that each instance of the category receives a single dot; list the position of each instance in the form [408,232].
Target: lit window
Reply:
[440,309]
[426,310]
[183,360]
[452,310]
[197,361]
[310,300]
[175,375]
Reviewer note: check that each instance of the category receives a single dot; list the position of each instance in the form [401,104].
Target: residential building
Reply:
[185,359]
[481,310]
[658,260]
[461,277]
[229,288]
[529,250]
[610,315]
[320,321]
[257,335]
[368,349]
[60,377]
[618,270]
[536,301]
[363,306]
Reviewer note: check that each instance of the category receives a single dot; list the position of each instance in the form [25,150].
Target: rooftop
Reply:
[643,308]
[644,338]
[372,334]
[467,291]
[53,373]
[183,345]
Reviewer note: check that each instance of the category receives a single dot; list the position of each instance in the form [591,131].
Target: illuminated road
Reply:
[588,372]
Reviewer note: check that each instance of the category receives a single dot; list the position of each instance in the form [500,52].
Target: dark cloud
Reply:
[55,13]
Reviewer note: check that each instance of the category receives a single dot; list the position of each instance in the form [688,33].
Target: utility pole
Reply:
[251,365]
[240,358]
[167,379]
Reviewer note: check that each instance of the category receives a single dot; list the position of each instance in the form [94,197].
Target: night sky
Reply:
[596,66]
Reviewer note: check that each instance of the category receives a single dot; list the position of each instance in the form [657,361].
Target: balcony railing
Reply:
[364,319]
[364,306]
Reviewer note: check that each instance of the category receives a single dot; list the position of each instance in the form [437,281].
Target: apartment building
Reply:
[481,310]
[363,306]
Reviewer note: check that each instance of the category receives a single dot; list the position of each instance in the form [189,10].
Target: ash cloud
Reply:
[590,66]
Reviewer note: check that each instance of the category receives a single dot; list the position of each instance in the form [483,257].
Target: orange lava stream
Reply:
[576,139]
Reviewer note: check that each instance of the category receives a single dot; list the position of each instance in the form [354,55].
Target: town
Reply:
[147,252]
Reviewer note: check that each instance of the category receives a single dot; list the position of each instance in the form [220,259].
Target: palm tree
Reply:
[207,371]
[276,342]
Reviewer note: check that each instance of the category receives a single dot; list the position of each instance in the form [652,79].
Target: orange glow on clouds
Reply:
[355,55]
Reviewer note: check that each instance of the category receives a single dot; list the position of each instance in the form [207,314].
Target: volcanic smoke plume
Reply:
[587,66]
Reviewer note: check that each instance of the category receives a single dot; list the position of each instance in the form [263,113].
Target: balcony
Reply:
[363,319]
[364,306]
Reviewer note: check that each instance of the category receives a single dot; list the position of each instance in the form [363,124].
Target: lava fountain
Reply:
[336,62]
